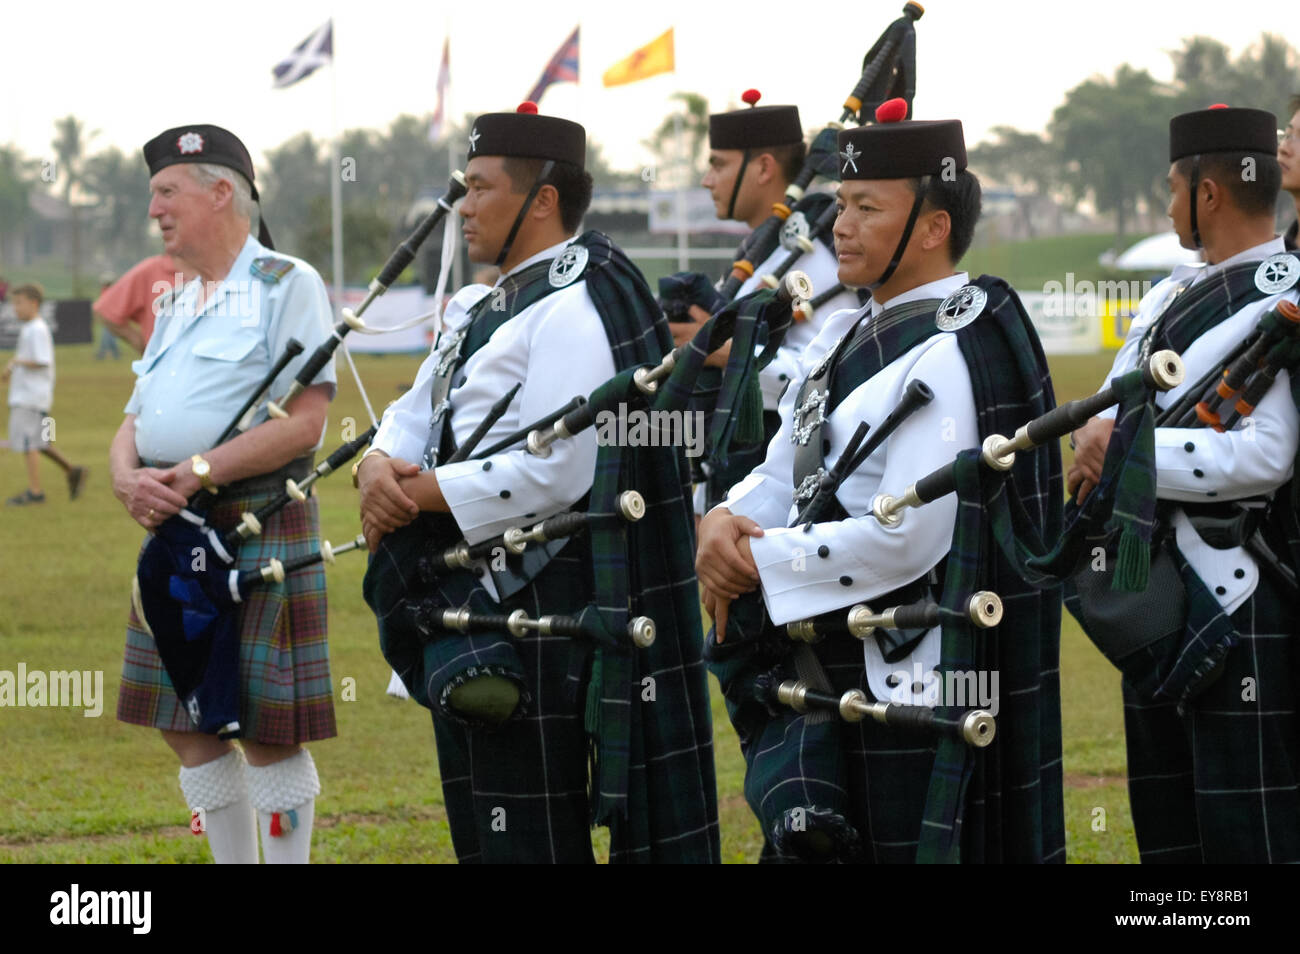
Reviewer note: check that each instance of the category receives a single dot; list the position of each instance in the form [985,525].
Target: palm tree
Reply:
[69,145]
[694,117]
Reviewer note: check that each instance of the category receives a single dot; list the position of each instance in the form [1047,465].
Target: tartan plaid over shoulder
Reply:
[648,709]
[1003,803]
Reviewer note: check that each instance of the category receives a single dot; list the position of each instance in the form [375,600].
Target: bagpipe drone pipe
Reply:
[186,591]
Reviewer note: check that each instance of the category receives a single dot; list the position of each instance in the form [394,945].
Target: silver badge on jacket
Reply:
[1277,273]
[960,308]
[568,266]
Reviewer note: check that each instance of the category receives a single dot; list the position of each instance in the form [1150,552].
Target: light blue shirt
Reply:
[202,364]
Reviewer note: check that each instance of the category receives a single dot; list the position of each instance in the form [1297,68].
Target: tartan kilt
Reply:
[518,792]
[1220,783]
[286,696]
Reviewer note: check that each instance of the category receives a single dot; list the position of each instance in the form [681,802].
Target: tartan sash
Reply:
[1201,307]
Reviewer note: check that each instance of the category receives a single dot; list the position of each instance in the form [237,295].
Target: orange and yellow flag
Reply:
[653,58]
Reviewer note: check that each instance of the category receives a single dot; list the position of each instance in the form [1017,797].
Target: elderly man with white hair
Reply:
[216,338]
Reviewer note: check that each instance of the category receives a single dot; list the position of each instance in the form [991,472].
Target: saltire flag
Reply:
[439,121]
[652,59]
[563,67]
[307,57]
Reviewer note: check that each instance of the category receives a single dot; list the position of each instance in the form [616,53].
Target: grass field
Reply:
[77,789]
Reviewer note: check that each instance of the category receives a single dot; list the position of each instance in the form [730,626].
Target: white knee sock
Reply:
[284,794]
[218,798]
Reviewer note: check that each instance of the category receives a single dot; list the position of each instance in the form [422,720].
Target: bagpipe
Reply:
[1164,371]
[982,609]
[186,590]
[1229,392]
[975,727]
[421,579]
[1166,632]
[892,56]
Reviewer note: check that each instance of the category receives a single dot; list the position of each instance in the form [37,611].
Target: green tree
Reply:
[694,117]
[15,184]
[1025,161]
[120,183]
[296,175]
[69,145]
[1110,135]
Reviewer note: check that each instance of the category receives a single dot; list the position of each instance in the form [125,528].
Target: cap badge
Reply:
[473,139]
[190,142]
[850,155]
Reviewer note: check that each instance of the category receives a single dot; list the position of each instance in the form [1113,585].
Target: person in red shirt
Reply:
[127,305]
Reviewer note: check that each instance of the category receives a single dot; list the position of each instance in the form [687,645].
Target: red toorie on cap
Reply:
[891,110]
[527,106]
[1219,106]
[751,96]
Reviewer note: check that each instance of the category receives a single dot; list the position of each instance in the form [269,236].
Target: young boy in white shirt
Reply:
[30,374]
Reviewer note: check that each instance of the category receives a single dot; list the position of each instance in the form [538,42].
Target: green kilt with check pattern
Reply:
[285,692]
[1220,783]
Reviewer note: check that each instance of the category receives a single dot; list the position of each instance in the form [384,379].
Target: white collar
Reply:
[1196,271]
[546,253]
[940,288]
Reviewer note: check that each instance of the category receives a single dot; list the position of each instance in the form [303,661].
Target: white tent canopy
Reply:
[1157,253]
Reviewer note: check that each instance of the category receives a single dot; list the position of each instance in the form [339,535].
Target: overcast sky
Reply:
[131,69]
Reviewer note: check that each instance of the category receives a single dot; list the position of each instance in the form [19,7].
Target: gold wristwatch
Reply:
[356,482]
[203,471]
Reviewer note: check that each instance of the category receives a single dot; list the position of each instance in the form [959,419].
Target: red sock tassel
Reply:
[283,822]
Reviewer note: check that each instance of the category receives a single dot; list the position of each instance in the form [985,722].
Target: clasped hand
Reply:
[725,563]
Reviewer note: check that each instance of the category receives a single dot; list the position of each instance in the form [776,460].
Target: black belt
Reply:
[296,470]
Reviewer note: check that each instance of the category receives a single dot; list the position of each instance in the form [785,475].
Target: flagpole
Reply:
[457,265]
[683,169]
[336,186]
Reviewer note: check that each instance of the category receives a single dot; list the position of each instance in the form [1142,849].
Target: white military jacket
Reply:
[842,562]
[558,349]
[1201,465]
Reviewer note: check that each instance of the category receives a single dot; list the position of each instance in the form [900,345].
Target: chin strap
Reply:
[523,210]
[735,190]
[263,233]
[1196,198]
[906,237]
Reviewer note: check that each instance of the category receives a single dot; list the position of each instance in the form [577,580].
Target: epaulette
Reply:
[271,269]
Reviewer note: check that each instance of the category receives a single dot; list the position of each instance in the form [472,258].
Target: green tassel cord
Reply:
[1133,565]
